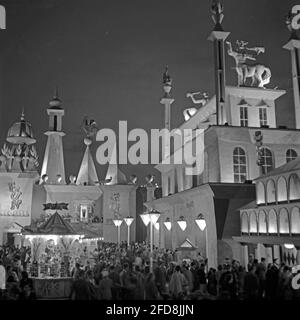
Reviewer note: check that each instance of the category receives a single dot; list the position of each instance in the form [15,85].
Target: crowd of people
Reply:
[122,273]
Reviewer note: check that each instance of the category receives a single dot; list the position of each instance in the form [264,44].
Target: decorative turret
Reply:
[218,36]
[20,154]
[53,165]
[293,45]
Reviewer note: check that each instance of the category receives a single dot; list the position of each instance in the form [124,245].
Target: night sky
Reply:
[107,58]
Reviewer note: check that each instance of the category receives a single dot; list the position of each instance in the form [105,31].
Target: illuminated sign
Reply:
[296,19]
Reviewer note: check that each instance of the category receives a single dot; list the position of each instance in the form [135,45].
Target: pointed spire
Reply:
[114,175]
[87,174]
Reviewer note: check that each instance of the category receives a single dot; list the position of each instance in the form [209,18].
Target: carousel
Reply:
[55,248]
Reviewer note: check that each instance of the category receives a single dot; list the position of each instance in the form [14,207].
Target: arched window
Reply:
[295,221]
[267,160]
[294,187]
[244,222]
[284,226]
[253,222]
[239,165]
[260,193]
[262,222]
[281,189]
[272,221]
[291,154]
[271,191]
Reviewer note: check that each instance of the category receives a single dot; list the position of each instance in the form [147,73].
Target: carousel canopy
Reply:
[55,225]
[87,230]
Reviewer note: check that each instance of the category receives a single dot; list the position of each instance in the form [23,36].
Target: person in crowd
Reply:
[126,285]
[202,279]
[272,277]
[212,282]
[105,286]
[151,290]
[27,293]
[261,270]
[80,289]
[2,277]
[177,284]
[251,284]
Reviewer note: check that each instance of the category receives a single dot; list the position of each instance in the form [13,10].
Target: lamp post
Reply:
[117,222]
[150,217]
[128,220]
[201,223]
[182,223]
[168,224]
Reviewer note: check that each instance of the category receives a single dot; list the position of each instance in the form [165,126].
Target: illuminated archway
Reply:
[262,222]
[272,221]
[284,226]
[271,191]
[295,220]
[281,189]
[260,193]
[244,222]
[253,222]
[294,187]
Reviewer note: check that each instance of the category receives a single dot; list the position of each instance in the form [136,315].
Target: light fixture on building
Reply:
[201,222]
[156,226]
[145,217]
[117,222]
[289,246]
[182,223]
[59,178]
[168,224]
[128,220]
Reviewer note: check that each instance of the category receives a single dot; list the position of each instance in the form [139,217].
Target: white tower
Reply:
[293,46]
[53,164]
[218,36]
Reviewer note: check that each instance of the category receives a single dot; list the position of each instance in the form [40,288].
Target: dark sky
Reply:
[107,58]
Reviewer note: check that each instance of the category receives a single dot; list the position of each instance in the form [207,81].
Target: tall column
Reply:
[218,36]
[293,45]
[167,101]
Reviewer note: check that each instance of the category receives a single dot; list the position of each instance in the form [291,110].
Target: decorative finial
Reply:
[288,21]
[23,114]
[55,102]
[217,14]
[166,77]
[55,92]
[167,82]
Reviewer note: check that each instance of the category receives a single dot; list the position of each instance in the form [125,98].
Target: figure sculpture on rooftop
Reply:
[217,13]
[259,73]
[89,126]
[190,112]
